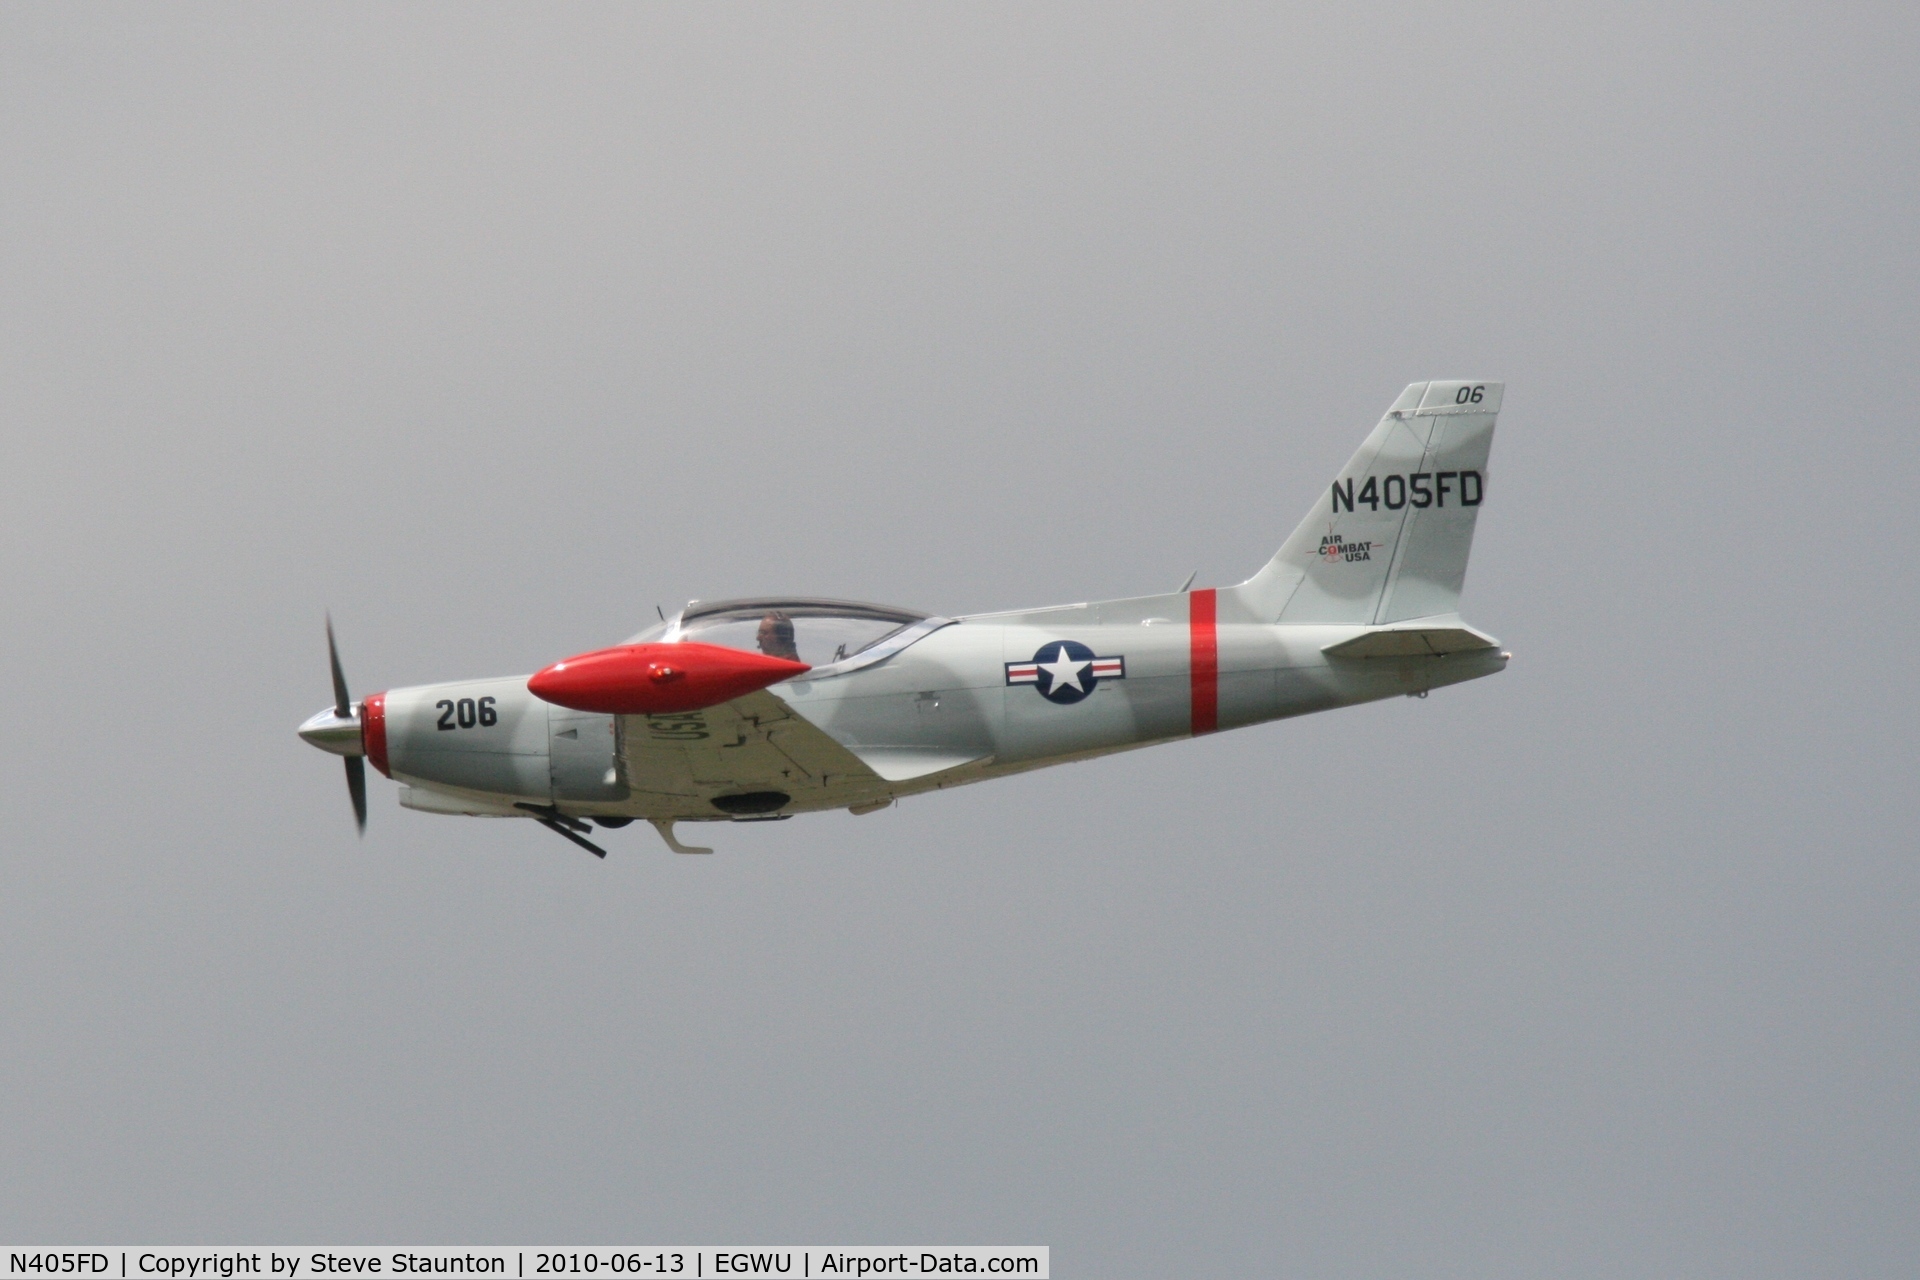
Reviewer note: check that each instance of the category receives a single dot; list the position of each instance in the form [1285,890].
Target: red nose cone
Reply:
[649,679]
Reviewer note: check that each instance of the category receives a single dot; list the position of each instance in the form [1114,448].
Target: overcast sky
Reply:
[491,329]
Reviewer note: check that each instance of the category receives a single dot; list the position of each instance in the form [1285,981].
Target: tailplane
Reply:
[1389,539]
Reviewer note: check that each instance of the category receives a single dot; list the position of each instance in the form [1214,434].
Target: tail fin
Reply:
[1389,540]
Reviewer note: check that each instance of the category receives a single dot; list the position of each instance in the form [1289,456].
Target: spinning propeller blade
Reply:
[342,704]
[357,788]
[345,725]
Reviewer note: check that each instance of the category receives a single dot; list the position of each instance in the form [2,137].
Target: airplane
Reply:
[760,709]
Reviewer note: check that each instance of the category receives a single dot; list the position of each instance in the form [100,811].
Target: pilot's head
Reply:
[776,637]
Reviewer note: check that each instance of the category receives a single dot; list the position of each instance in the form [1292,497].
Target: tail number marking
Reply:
[1421,489]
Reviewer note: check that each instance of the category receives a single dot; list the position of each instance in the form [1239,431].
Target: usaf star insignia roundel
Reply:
[1065,671]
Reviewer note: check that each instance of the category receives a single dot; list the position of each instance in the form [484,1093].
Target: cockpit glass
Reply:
[816,632]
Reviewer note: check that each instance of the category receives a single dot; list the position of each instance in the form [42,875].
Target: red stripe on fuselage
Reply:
[1206,660]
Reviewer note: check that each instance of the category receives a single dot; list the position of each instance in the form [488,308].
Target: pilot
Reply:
[776,637]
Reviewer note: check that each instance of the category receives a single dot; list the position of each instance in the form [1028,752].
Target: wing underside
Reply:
[679,764]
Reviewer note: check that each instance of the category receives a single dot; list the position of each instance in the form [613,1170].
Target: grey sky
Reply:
[492,328]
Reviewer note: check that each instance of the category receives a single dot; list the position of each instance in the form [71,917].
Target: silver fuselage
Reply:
[942,711]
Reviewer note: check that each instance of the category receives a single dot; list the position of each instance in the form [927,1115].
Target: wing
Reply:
[680,762]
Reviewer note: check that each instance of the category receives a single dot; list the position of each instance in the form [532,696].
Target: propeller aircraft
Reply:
[760,709]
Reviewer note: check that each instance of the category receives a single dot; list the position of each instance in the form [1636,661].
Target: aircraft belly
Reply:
[495,772]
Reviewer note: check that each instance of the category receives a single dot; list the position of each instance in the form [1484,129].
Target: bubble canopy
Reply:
[804,629]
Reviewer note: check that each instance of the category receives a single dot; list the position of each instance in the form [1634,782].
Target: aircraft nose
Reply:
[331,732]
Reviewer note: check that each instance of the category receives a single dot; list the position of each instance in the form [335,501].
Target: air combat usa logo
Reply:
[1335,549]
[1065,671]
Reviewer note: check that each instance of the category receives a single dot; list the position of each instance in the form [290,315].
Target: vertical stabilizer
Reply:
[1388,540]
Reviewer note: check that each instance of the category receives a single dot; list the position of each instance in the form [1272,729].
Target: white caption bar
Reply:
[518,1262]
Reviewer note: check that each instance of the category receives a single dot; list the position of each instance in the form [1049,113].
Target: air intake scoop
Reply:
[655,679]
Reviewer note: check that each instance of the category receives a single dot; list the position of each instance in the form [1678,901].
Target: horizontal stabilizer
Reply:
[1412,642]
